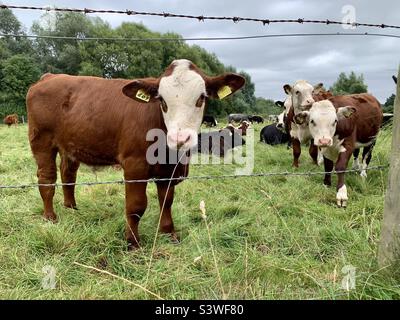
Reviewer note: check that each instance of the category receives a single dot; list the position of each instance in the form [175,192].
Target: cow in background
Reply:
[257,119]
[339,126]
[242,129]
[11,119]
[210,121]
[299,98]
[275,133]
[220,142]
[237,117]
[103,122]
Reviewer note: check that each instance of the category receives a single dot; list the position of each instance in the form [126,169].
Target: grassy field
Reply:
[274,237]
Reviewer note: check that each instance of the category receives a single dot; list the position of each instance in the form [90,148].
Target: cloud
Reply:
[273,62]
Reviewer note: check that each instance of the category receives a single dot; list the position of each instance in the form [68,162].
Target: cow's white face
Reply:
[181,94]
[323,119]
[301,95]
[281,121]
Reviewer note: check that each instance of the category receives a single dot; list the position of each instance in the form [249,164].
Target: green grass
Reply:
[274,237]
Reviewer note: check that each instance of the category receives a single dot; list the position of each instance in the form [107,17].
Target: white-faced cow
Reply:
[339,126]
[105,122]
[299,98]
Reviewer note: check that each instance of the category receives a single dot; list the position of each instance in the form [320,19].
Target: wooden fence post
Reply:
[389,246]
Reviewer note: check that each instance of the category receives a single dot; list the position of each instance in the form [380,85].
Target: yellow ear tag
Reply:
[142,95]
[224,91]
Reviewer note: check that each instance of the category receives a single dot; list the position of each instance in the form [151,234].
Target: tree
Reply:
[349,84]
[388,105]
[18,73]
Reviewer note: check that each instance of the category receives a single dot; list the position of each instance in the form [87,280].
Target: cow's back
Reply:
[89,118]
[368,116]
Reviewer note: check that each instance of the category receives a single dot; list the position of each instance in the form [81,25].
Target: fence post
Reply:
[389,246]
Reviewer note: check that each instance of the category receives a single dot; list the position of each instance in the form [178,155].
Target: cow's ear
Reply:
[302,117]
[142,90]
[287,88]
[280,104]
[345,112]
[224,85]
[318,88]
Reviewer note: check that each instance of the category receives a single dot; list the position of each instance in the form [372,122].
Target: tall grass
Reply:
[273,237]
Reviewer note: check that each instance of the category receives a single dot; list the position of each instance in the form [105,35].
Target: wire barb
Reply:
[210,177]
[197,17]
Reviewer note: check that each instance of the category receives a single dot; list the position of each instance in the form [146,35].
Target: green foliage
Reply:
[267,107]
[388,105]
[349,84]
[17,74]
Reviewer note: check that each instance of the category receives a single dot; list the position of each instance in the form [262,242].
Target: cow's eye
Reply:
[297,92]
[312,122]
[163,104]
[334,123]
[200,100]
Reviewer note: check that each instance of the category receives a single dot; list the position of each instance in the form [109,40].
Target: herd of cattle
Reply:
[102,122]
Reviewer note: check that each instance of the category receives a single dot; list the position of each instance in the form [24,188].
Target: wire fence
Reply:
[204,177]
[277,35]
[201,18]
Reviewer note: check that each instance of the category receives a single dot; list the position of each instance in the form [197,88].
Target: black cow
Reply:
[219,142]
[237,117]
[272,135]
[257,119]
[280,104]
[209,121]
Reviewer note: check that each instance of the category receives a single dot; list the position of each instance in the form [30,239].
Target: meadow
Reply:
[278,237]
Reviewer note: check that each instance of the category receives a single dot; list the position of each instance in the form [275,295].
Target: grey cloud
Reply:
[274,62]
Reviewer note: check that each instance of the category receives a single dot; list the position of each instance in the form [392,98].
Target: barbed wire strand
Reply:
[277,35]
[200,18]
[205,177]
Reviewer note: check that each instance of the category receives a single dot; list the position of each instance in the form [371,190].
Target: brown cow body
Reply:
[296,141]
[102,122]
[11,119]
[355,121]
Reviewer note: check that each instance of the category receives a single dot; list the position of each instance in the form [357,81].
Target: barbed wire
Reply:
[200,18]
[205,177]
[277,35]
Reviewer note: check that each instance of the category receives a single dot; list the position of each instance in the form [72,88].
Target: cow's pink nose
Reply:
[324,142]
[180,138]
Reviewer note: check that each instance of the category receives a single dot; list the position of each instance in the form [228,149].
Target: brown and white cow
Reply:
[339,126]
[299,98]
[105,122]
[11,119]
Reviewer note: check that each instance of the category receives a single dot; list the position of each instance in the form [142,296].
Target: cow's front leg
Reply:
[135,198]
[296,152]
[328,167]
[314,153]
[165,199]
[341,165]
[136,203]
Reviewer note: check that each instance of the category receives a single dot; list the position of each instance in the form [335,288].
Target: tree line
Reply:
[23,61]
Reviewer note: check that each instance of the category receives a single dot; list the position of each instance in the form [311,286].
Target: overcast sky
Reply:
[271,62]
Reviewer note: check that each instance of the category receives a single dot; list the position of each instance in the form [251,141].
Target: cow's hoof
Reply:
[174,238]
[70,206]
[133,246]
[363,174]
[50,216]
[341,203]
